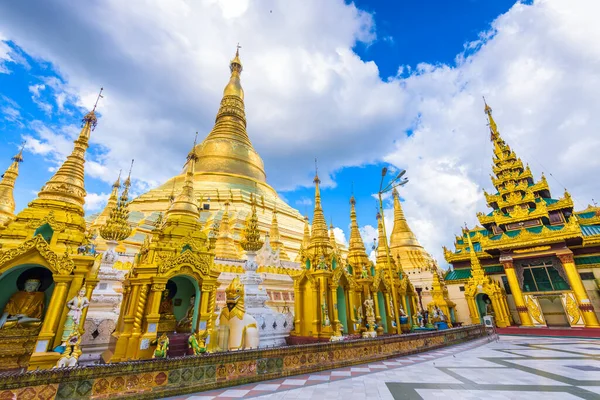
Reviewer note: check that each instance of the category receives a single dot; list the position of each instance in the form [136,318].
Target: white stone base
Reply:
[368,334]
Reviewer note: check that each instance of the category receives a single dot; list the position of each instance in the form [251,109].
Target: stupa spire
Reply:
[332,238]
[381,259]
[251,241]
[117,226]
[357,254]
[7,186]
[225,245]
[476,269]
[305,241]
[319,236]
[185,202]
[275,237]
[67,183]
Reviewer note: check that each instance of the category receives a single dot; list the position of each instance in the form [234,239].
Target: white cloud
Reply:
[163,69]
[304,201]
[340,236]
[95,201]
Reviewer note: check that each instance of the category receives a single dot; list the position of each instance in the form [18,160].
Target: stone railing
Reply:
[153,379]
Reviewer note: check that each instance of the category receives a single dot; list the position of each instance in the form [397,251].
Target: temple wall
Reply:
[151,379]
[458,297]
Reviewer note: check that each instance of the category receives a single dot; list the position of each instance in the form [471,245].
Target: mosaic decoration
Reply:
[176,376]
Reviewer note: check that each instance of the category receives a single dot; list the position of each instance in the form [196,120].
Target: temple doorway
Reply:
[179,305]
[342,309]
[553,310]
[482,300]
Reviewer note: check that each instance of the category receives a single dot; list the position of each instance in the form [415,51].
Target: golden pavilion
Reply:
[534,259]
[45,263]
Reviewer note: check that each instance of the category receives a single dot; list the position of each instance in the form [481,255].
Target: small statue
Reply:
[370,317]
[440,314]
[166,304]
[185,323]
[402,312]
[489,310]
[197,342]
[364,273]
[326,317]
[420,319]
[238,330]
[162,346]
[75,306]
[25,308]
[71,352]
[392,312]
[369,308]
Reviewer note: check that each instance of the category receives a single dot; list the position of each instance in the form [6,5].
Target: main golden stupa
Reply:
[228,171]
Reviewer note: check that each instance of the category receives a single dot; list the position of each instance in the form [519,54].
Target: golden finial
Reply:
[487,109]
[127,182]
[98,99]
[185,203]
[316,180]
[90,118]
[117,183]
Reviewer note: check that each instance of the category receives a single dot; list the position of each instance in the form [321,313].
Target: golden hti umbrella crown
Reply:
[117,226]
[251,240]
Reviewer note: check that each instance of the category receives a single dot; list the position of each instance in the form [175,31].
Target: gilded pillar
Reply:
[513,282]
[350,310]
[473,310]
[134,345]
[316,310]
[583,300]
[54,314]
[298,312]
[336,318]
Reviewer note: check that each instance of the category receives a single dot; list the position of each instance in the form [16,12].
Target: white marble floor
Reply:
[510,368]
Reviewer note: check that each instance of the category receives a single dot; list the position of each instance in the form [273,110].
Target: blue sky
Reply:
[320,81]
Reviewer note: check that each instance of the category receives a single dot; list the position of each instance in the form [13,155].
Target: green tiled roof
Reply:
[590,230]
[586,215]
[550,201]
[465,273]
[587,260]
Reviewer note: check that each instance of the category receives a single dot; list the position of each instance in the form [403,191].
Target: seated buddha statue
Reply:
[25,308]
[185,323]
[167,319]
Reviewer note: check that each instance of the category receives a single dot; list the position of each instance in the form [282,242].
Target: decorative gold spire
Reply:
[117,226]
[7,186]
[67,183]
[332,238]
[357,254]
[185,202]
[320,244]
[404,243]
[251,241]
[227,149]
[275,237]
[305,241]
[476,269]
[225,245]
[381,259]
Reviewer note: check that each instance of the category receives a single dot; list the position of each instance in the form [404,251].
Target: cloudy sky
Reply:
[357,85]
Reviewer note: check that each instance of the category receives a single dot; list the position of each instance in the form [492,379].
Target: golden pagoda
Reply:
[404,243]
[172,282]
[228,170]
[45,261]
[113,199]
[530,249]
[7,186]
[418,264]
[357,259]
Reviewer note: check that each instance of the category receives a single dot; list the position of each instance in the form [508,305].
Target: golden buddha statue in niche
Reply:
[25,308]
[185,324]
[167,321]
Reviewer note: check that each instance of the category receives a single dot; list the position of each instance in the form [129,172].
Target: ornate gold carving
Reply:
[572,310]
[532,249]
[566,258]
[534,310]
[200,263]
[49,219]
[158,287]
[62,265]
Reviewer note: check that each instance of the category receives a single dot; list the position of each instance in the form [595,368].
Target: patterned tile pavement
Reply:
[288,386]
[508,368]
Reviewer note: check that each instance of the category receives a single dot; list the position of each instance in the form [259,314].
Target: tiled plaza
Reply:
[510,368]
